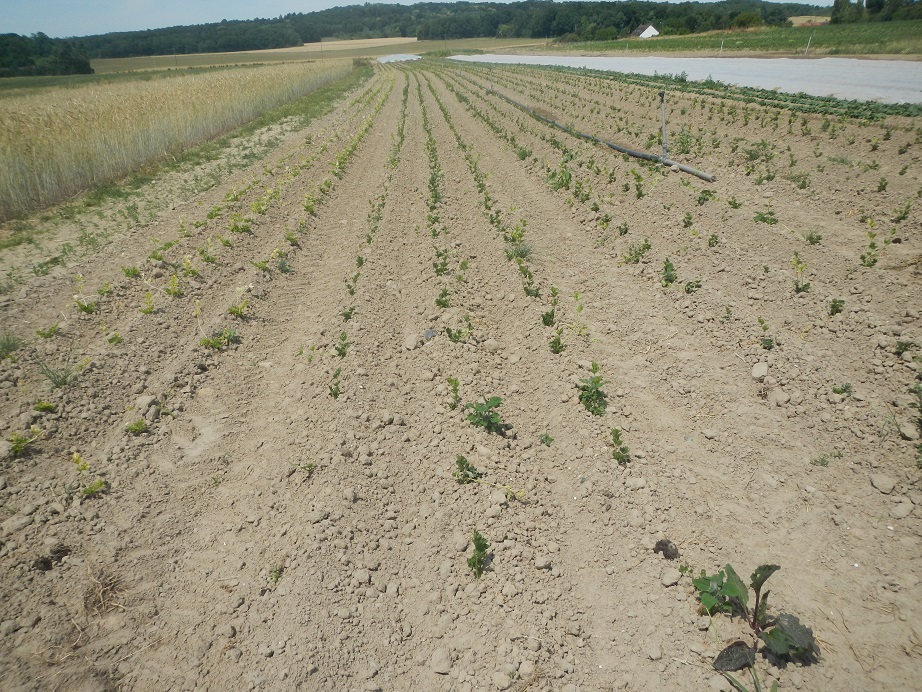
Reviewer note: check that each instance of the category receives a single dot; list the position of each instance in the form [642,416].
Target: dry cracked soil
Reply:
[230,457]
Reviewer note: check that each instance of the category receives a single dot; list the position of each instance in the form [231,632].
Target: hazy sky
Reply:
[61,18]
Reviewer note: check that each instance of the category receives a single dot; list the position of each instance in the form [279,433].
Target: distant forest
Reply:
[427,20]
[24,56]
[844,12]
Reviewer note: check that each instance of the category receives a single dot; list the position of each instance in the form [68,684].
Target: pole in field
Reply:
[662,100]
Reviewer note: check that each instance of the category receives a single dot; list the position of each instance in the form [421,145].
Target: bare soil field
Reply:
[230,459]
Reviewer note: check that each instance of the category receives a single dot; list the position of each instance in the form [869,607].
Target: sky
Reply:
[63,18]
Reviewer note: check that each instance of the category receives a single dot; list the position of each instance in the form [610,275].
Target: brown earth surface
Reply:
[264,534]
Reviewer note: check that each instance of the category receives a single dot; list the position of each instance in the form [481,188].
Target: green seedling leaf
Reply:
[737,656]
[761,575]
[735,589]
[799,636]
[777,641]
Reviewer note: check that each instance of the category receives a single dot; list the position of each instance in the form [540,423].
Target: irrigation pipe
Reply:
[617,147]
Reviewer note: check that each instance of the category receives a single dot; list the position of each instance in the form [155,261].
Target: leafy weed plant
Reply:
[477,561]
[483,415]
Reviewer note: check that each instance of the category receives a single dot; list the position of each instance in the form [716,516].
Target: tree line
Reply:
[846,12]
[581,21]
[37,55]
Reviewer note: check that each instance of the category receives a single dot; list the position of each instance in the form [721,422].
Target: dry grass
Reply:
[59,142]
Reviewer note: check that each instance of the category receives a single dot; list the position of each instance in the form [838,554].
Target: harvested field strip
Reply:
[430,320]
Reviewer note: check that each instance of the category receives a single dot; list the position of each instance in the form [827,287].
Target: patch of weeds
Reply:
[692,286]
[844,389]
[85,306]
[713,240]
[767,216]
[131,272]
[115,339]
[483,415]
[45,407]
[60,374]
[636,252]
[620,452]
[105,289]
[19,444]
[342,347]
[669,274]
[836,305]
[240,223]
[734,203]
[47,333]
[623,228]
[139,427]
[812,237]
[275,574]
[545,439]
[687,220]
[10,343]
[464,472]
[477,561]
[219,341]
[591,395]
[824,459]
[903,346]
[453,387]
[705,196]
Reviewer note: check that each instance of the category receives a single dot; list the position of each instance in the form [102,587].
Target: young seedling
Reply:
[843,389]
[869,258]
[713,240]
[334,384]
[636,252]
[138,427]
[548,318]
[556,344]
[546,439]
[19,444]
[812,237]
[669,274]
[84,306]
[767,342]
[734,203]
[620,452]
[800,267]
[767,216]
[692,286]
[343,346]
[47,333]
[148,307]
[483,415]
[173,287]
[94,488]
[453,386]
[45,407]
[131,272]
[464,472]
[275,574]
[687,220]
[591,395]
[444,299]
[348,313]
[477,561]
[623,228]
[836,305]
[239,310]
[219,341]
[115,339]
